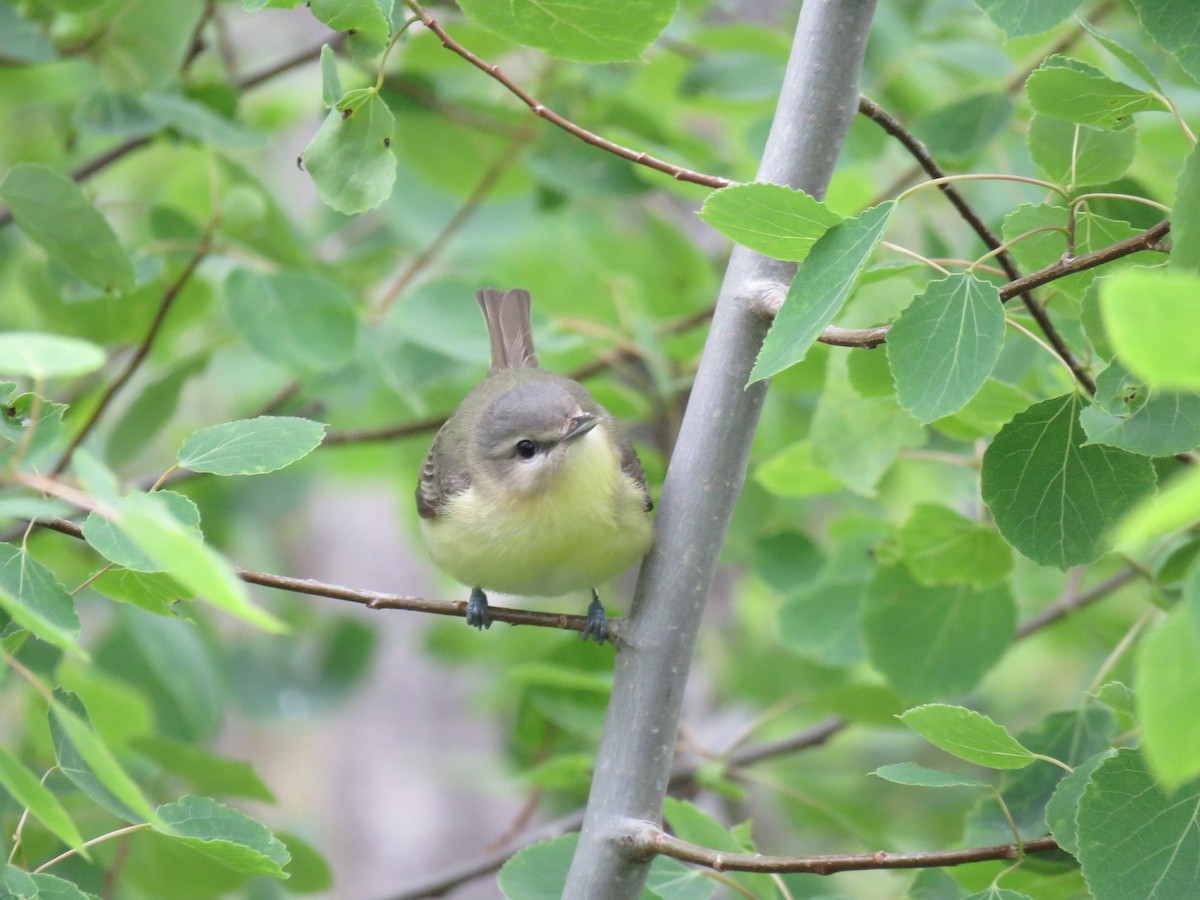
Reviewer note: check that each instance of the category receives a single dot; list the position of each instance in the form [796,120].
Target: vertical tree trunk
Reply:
[817,102]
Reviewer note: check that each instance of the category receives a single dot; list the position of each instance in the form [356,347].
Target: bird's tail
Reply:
[509,328]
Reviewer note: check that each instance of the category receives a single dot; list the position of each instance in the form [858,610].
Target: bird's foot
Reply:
[597,622]
[477,610]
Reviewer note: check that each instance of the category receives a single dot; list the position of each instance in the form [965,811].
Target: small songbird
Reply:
[530,488]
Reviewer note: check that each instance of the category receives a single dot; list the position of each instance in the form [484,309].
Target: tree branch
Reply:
[542,111]
[647,838]
[168,298]
[914,146]
[708,468]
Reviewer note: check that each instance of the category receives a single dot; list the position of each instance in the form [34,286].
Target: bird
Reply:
[531,488]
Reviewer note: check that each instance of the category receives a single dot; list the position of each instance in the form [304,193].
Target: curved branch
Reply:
[542,111]
[648,838]
[914,146]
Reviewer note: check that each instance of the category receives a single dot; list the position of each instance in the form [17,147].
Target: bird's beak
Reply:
[578,426]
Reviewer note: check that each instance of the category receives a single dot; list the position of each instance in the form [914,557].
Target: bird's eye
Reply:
[527,449]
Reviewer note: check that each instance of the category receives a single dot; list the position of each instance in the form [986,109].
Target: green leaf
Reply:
[821,622]
[39,355]
[1168,699]
[819,289]
[250,446]
[1130,416]
[945,344]
[857,439]
[693,824]
[1019,18]
[1053,496]
[99,759]
[1131,60]
[597,31]
[55,215]
[993,892]
[1176,506]
[24,787]
[364,17]
[117,547]
[154,593]
[350,157]
[200,122]
[308,872]
[1185,216]
[1134,841]
[968,735]
[1075,156]
[1092,232]
[1063,807]
[228,836]
[33,597]
[331,83]
[17,884]
[181,553]
[293,319]
[21,41]
[792,473]
[669,879]
[539,871]
[203,770]
[1175,26]
[1151,316]
[769,218]
[986,412]
[920,776]
[1067,89]
[72,764]
[931,641]
[960,130]
[939,546]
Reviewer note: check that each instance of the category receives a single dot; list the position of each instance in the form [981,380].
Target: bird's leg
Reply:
[597,622]
[477,610]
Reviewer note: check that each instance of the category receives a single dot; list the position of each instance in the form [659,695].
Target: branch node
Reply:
[764,298]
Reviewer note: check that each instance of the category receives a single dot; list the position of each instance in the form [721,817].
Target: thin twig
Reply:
[914,146]
[168,298]
[649,838]
[542,111]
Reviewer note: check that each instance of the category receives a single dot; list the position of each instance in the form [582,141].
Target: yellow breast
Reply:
[586,527]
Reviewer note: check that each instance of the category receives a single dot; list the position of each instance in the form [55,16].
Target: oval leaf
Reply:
[819,289]
[250,446]
[769,218]
[38,355]
[24,787]
[115,546]
[968,735]
[228,836]
[36,601]
[350,158]
[1152,319]
[920,776]
[945,344]
[1052,496]
[55,215]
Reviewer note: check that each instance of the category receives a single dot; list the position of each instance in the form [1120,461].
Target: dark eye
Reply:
[526,449]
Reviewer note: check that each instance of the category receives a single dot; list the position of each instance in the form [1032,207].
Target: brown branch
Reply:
[650,839]
[1070,604]
[542,111]
[914,146]
[300,58]
[168,298]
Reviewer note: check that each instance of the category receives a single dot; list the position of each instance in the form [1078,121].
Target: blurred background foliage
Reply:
[184,122]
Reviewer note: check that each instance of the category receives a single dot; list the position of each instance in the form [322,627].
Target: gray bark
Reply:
[817,102]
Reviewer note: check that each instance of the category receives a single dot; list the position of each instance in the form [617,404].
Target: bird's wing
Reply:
[439,480]
[632,466]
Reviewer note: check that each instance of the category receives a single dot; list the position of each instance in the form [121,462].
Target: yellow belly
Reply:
[585,529]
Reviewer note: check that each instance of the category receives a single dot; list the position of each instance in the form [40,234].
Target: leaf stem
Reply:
[924,260]
[387,51]
[980,176]
[120,832]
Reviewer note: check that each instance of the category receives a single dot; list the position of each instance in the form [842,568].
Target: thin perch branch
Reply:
[647,838]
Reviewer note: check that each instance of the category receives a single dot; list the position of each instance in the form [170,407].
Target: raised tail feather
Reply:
[509,328]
